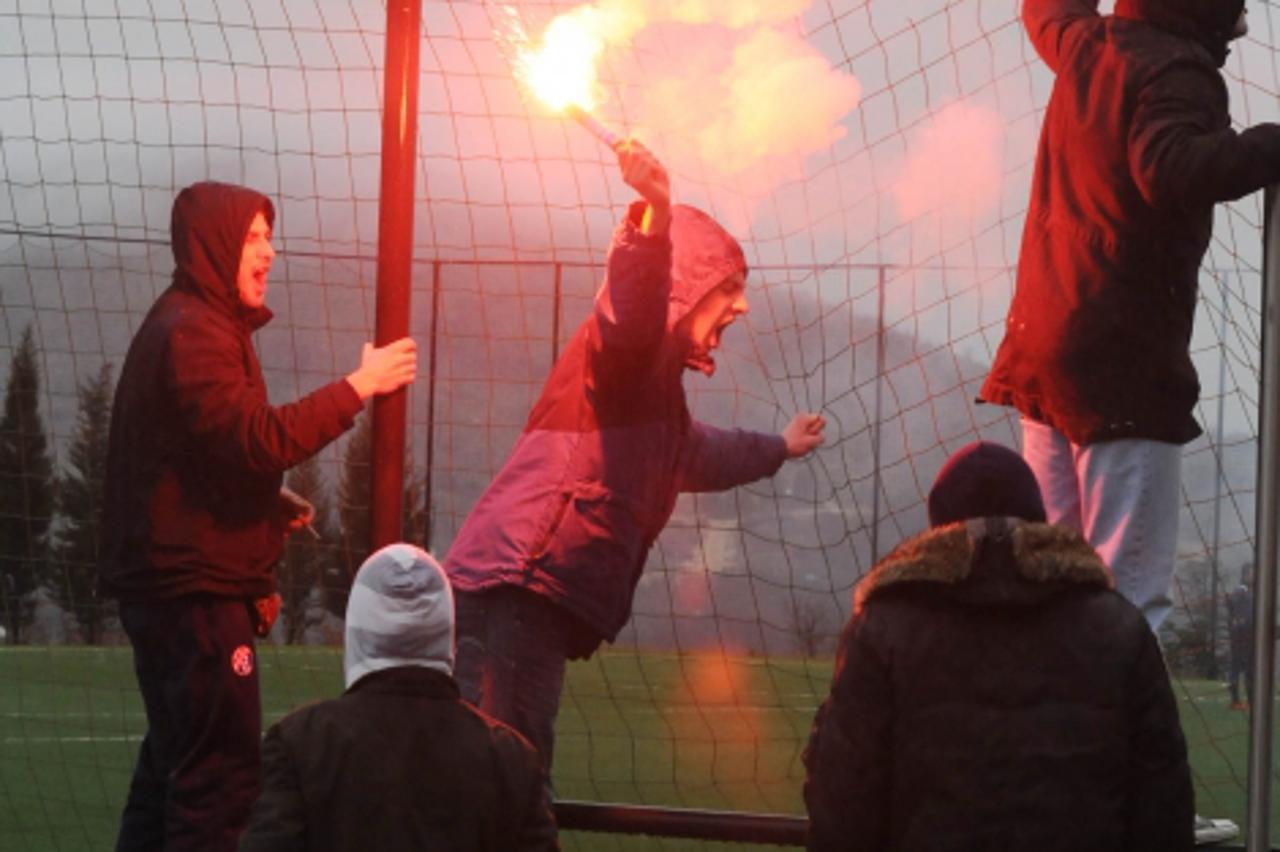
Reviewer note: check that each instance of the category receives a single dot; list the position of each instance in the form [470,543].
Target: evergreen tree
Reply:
[306,557]
[26,490]
[73,577]
[355,489]
[355,501]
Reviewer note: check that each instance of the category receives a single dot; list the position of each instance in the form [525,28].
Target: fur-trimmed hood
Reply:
[1045,558]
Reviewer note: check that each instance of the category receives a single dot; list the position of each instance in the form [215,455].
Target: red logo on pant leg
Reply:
[242,661]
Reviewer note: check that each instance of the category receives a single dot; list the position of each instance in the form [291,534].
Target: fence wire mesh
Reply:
[873,158]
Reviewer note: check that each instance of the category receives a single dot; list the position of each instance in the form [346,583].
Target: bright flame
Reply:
[722,102]
[562,70]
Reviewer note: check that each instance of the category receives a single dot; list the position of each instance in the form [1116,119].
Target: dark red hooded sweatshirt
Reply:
[197,453]
[1136,148]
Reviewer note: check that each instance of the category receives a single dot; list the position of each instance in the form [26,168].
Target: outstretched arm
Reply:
[221,406]
[224,407]
[717,459]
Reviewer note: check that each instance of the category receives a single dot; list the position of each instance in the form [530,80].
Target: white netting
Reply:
[874,160]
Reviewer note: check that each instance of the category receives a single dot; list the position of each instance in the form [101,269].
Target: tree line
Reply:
[51,520]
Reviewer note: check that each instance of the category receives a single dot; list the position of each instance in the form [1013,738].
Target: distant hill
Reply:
[738,568]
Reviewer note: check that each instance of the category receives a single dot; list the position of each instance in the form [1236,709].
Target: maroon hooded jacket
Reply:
[1135,149]
[197,453]
[610,443]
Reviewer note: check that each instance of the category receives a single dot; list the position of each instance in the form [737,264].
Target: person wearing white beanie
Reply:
[399,761]
[400,613]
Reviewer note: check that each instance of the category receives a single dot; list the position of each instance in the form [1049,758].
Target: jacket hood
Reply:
[1209,22]
[1045,558]
[703,254]
[207,230]
[400,613]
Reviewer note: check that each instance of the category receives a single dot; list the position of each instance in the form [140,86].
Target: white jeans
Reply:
[1124,497]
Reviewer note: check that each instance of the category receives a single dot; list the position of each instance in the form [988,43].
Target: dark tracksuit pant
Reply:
[198,769]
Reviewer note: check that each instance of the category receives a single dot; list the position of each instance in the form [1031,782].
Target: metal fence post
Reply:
[1260,721]
[395,256]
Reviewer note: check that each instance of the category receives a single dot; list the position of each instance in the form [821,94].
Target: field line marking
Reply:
[127,738]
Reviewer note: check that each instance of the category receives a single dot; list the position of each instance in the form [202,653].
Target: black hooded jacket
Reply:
[399,763]
[1135,149]
[992,692]
[196,452]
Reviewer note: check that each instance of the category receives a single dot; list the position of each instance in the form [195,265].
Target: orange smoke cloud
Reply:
[724,88]
[749,99]
[952,166]
[620,20]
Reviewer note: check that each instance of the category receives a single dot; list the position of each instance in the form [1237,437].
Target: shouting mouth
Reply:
[699,356]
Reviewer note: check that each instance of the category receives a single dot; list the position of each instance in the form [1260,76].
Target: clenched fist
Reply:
[803,434]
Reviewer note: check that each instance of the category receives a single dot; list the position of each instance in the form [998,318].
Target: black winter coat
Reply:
[1136,148]
[399,763]
[196,452]
[992,692]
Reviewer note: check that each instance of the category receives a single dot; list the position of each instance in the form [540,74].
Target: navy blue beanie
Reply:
[983,480]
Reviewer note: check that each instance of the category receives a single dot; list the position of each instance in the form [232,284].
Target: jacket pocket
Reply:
[597,550]
[598,525]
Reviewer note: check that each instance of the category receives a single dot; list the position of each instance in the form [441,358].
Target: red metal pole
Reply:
[395,256]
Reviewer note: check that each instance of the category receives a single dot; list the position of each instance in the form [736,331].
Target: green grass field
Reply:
[648,728]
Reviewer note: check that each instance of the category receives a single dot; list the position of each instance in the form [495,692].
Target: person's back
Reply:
[399,761]
[993,692]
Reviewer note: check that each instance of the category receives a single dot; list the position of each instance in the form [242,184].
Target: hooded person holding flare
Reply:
[546,563]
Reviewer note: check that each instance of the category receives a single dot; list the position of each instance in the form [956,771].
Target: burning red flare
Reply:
[561,71]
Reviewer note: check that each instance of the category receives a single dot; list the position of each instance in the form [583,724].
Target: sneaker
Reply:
[1214,830]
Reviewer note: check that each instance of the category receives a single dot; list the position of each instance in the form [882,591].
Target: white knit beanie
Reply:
[400,613]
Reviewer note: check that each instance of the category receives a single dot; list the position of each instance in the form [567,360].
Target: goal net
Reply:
[874,160]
